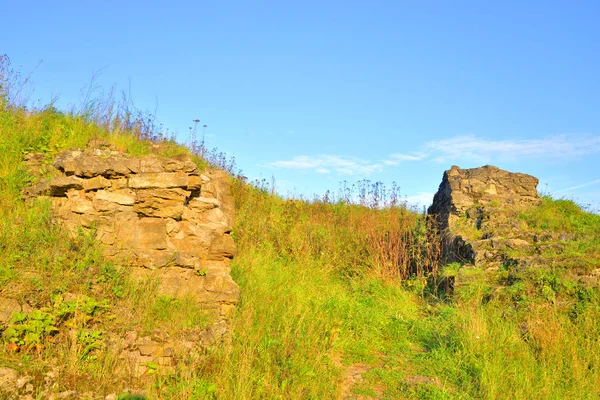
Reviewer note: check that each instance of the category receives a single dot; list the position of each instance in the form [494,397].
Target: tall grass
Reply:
[337,281]
[385,239]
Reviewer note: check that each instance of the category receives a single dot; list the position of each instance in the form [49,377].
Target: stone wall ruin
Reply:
[165,220]
[473,208]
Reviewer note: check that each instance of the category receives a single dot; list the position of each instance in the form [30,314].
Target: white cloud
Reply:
[324,164]
[416,156]
[471,147]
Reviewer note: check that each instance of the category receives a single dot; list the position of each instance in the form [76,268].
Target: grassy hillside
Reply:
[338,299]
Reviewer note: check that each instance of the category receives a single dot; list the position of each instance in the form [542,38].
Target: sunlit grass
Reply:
[325,285]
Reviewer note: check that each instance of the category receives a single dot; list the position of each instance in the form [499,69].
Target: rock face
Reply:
[473,208]
[465,191]
[161,217]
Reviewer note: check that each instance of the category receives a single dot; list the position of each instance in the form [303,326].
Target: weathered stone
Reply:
[203,203]
[120,183]
[7,308]
[192,237]
[62,184]
[80,205]
[229,248]
[154,164]
[164,203]
[463,189]
[213,216]
[130,338]
[149,349]
[104,207]
[150,165]
[167,222]
[195,182]
[41,188]
[219,188]
[123,197]
[95,183]
[34,158]
[82,164]
[517,244]
[8,380]
[208,285]
[164,180]
[187,166]
[213,333]
[150,233]
[227,311]
[482,200]
[66,161]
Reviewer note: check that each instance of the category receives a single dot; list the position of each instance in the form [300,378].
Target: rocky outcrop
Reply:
[465,192]
[473,208]
[163,218]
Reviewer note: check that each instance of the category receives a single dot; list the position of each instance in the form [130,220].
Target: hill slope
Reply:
[337,299]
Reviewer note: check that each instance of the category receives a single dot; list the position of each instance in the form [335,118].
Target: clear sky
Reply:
[319,92]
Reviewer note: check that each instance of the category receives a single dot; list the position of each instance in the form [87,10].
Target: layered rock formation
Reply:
[473,208]
[164,219]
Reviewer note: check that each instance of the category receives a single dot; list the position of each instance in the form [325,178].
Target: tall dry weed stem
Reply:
[379,235]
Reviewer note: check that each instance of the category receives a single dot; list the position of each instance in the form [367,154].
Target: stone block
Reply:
[164,203]
[164,180]
[123,197]
[62,184]
[95,183]
[150,233]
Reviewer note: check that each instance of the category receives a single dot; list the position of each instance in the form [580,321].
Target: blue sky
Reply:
[314,93]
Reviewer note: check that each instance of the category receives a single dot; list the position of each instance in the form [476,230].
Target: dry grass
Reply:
[336,278]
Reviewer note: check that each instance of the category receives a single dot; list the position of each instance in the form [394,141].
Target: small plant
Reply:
[90,341]
[151,367]
[33,329]
[30,330]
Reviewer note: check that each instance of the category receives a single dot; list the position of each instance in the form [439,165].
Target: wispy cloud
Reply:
[398,158]
[471,147]
[458,149]
[325,164]
[594,182]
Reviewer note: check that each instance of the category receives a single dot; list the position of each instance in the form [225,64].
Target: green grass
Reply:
[325,285]
[47,269]
[575,233]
